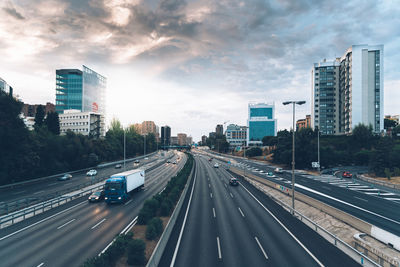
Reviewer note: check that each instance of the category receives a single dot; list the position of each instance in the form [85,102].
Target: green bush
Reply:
[154,228]
[388,173]
[136,252]
[166,207]
[396,171]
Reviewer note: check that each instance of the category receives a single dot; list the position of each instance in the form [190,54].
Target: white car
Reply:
[91,173]
[216,165]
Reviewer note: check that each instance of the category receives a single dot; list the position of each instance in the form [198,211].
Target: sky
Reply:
[192,64]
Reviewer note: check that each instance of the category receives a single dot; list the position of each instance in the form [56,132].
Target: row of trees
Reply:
[218,143]
[30,154]
[362,147]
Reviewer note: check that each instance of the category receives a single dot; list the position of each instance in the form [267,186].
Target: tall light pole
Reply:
[293,145]
[144,145]
[124,147]
[319,162]
[244,151]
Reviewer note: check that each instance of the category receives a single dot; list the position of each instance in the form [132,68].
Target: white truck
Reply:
[118,187]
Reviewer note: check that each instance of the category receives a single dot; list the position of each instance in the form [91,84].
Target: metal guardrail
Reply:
[378,182]
[42,207]
[49,202]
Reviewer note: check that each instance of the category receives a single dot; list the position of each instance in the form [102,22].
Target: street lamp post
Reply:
[144,145]
[124,148]
[319,162]
[293,145]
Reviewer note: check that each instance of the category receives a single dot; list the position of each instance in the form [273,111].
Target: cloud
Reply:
[10,10]
[247,50]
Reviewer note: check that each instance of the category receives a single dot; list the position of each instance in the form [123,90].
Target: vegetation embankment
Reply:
[31,154]
[155,213]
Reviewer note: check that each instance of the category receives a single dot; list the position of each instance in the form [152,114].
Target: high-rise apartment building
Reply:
[349,91]
[260,123]
[82,90]
[165,135]
[203,140]
[30,110]
[304,123]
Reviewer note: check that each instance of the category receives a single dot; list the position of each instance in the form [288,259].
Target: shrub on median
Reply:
[136,252]
[154,228]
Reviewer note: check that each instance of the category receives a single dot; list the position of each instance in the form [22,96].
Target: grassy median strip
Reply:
[154,215]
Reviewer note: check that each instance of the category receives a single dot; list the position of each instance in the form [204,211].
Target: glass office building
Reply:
[82,90]
[261,123]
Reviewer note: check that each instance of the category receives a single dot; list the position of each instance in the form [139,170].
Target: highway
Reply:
[50,188]
[240,226]
[378,211]
[71,233]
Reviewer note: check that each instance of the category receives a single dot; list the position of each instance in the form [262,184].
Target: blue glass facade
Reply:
[259,129]
[81,90]
[261,112]
[68,90]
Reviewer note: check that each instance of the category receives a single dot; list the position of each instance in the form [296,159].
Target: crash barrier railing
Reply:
[23,214]
[8,207]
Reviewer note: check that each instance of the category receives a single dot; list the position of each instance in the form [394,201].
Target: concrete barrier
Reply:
[162,243]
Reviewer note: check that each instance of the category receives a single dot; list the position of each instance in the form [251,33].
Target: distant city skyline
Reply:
[192,65]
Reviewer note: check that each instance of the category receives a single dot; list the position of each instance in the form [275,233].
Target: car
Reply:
[174,162]
[210,159]
[347,174]
[233,181]
[65,177]
[118,166]
[168,161]
[91,173]
[216,165]
[96,196]
[271,175]
[146,158]
[278,170]
[137,161]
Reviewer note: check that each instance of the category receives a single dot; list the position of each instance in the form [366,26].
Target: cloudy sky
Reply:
[192,64]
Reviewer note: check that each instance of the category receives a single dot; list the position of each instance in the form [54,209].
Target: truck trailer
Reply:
[118,187]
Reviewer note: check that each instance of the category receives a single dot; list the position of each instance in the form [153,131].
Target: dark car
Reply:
[347,175]
[118,166]
[65,177]
[96,196]
[233,181]
[137,161]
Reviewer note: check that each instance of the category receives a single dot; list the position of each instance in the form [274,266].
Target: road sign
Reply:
[315,164]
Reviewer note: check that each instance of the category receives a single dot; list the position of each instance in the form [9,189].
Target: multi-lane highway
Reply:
[223,225]
[52,186]
[378,211]
[71,233]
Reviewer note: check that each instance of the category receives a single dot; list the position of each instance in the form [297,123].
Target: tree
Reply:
[362,136]
[270,140]
[389,123]
[52,122]
[39,116]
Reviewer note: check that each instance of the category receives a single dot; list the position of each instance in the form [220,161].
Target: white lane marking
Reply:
[129,226]
[16,193]
[361,199]
[226,186]
[231,194]
[214,213]
[341,201]
[262,249]
[52,184]
[209,186]
[128,202]
[184,222]
[61,226]
[97,224]
[40,265]
[162,190]
[241,212]
[45,219]
[38,192]
[219,249]
[284,227]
